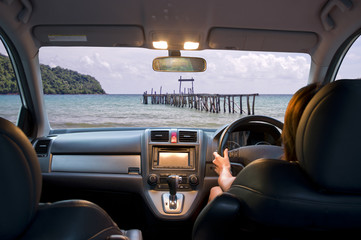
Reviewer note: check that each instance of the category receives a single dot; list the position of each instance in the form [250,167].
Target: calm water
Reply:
[78,111]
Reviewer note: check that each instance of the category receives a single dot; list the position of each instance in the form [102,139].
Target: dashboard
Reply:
[171,169]
[138,161]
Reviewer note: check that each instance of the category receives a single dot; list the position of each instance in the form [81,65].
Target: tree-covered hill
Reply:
[55,80]
[7,78]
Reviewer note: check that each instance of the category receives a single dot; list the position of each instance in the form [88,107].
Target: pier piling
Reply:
[204,102]
[201,102]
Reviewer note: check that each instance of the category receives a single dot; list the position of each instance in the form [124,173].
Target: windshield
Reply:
[117,87]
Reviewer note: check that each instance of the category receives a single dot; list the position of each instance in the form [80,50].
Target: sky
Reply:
[129,70]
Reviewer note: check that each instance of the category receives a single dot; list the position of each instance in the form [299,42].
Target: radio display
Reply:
[171,159]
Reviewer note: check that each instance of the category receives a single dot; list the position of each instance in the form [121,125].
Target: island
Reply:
[56,80]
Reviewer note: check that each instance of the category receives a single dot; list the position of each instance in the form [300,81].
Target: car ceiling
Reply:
[183,15]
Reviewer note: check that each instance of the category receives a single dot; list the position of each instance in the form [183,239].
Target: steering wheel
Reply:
[250,153]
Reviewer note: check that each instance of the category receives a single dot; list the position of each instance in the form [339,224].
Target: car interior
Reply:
[143,181]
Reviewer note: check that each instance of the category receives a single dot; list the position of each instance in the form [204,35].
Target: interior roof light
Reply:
[160,44]
[191,45]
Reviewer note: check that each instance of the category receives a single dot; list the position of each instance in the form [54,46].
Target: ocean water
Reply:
[82,111]
[9,107]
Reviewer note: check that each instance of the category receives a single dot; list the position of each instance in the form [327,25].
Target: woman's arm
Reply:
[223,169]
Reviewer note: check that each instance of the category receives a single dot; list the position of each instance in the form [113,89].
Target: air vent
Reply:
[187,136]
[159,136]
[42,147]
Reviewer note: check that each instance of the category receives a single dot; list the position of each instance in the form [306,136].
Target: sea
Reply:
[120,110]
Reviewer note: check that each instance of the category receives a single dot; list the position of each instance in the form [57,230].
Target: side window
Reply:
[351,65]
[9,93]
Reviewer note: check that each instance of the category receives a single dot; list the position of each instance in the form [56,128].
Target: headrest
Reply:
[20,180]
[328,139]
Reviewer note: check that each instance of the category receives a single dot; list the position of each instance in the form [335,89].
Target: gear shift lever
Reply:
[173,201]
[173,181]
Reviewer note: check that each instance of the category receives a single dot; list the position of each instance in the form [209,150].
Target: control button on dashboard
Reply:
[193,179]
[162,186]
[183,186]
[152,179]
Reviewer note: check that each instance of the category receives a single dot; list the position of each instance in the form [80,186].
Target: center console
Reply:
[169,160]
[173,170]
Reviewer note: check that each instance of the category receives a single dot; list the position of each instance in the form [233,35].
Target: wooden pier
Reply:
[215,103]
[231,103]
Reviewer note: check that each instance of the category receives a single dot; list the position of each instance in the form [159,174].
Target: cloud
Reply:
[130,70]
[95,61]
[87,60]
[254,72]
[268,66]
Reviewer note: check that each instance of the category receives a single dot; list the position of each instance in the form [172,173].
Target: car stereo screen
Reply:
[168,159]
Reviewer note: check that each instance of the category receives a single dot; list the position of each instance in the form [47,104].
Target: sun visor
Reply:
[262,40]
[130,36]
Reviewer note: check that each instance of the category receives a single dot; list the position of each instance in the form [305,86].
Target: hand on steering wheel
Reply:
[222,163]
[223,169]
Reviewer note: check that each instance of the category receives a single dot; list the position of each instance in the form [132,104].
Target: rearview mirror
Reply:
[179,64]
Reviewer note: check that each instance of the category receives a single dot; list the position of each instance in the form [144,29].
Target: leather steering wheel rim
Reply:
[244,120]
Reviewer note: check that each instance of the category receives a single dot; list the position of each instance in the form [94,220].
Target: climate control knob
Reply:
[152,179]
[193,180]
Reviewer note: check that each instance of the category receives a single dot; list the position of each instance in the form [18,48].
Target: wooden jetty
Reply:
[203,102]
[214,103]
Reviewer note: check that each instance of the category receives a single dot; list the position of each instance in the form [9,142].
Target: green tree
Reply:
[55,80]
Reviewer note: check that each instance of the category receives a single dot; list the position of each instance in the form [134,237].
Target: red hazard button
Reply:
[173,138]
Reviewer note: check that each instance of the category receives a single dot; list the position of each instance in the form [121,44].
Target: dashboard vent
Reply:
[187,136]
[159,136]
[42,147]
